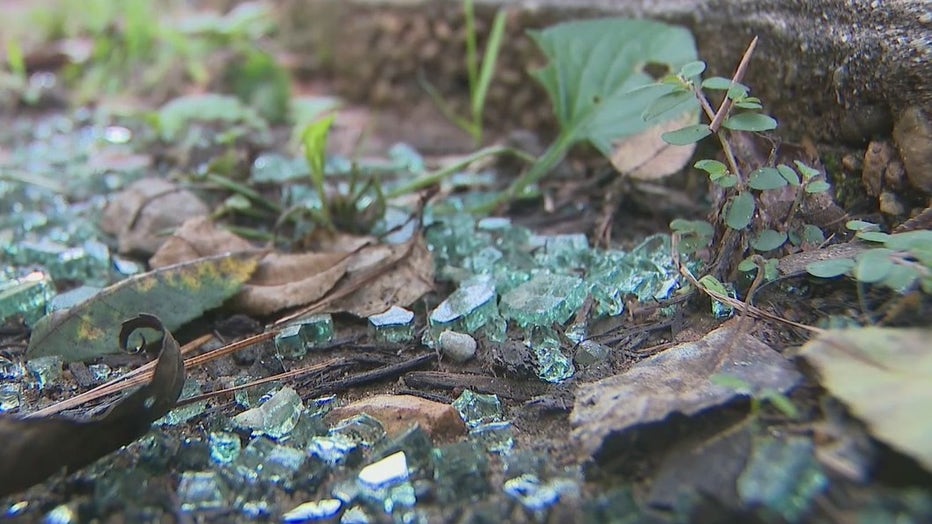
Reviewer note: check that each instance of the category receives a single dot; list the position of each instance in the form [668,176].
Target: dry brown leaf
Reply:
[140,214]
[646,156]
[410,278]
[197,237]
[290,280]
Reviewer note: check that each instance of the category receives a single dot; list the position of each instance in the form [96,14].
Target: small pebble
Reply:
[458,346]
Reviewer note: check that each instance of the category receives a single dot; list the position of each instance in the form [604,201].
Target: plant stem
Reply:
[736,79]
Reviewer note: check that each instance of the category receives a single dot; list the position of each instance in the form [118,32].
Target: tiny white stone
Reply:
[458,346]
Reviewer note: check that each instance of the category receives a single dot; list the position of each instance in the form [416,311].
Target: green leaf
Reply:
[782,403]
[740,211]
[768,239]
[766,178]
[687,135]
[749,122]
[873,265]
[692,69]
[830,268]
[738,92]
[806,171]
[594,67]
[668,102]
[712,167]
[727,181]
[901,278]
[860,225]
[177,294]
[788,174]
[818,186]
[716,83]
[812,234]
[874,236]
[699,227]
[744,104]
[711,283]
[747,264]
[882,375]
[910,241]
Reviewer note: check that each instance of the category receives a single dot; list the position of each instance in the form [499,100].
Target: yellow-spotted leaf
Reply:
[177,294]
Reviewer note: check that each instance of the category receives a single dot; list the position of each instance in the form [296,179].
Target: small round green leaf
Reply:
[727,181]
[666,103]
[914,241]
[699,227]
[738,92]
[687,135]
[805,170]
[766,178]
[818,186]
[873,236]
[692,69]
[716,83]
[768,239]
[748,105]
[812,234]
[750,122]
[830,268]
[712,167]
[740,211]
[873,265]
[788,174]
[901,278]
[747,265]
[861,225]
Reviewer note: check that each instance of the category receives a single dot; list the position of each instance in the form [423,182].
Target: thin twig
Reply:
[736,79]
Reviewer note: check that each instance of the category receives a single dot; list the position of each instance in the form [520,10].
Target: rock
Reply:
[398,412]
[913,135]
[833,70]
[460,347]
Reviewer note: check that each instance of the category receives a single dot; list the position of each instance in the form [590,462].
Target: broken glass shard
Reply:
[11,396]
[26,296]
[467,309]
[318,329]
[721,310]
[290,342]
[362,429]
[391,499]
[536,495]
[276,417]
[590,352]
[460,471]
[314,510]
[563,253]
[783,476]
[552,365]
[201,490]
[9,370]
[415,443]
[477,409]
[495,437]
[224,447]
[61,514]
[544,300]
[254,395]
[191,388]
[335,449]
[265,461]
[255,509]
[356,515]
[386,472]
[393,326]
[45,370]
[276,168]
[100,372]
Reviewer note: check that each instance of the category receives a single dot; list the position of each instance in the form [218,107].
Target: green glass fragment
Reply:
[177,416]
[590,352]
[26,296]
[544,300]
[290,342]
[466,310]
[362,429]
[45,371]
[477,409]
[552,365]
[783,476]
[276,417]
[396,325]
[201,490]
[460,472]
[262,460]
[11,397]
[224,446]
[495,437]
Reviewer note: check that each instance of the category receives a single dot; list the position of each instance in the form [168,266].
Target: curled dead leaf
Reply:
[36,448]
[645,156]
